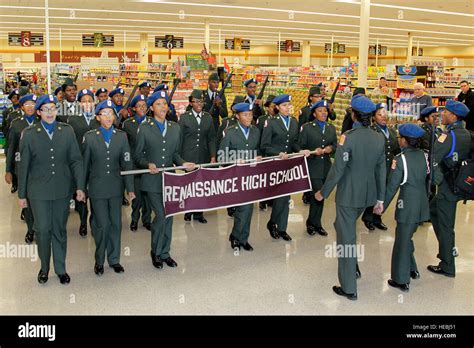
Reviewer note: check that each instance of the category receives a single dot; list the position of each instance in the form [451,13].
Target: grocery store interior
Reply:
[342,44]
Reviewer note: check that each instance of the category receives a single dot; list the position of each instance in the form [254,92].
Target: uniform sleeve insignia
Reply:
[342,140]
[442,138]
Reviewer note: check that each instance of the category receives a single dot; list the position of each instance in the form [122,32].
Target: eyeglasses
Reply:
[49,110]
[141,106]
[106,114]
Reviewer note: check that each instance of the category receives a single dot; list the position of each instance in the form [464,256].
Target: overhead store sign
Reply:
[98,40]
[338,48]
[289,46]
[379,50]
[25,39]
[237,44]
[169,42]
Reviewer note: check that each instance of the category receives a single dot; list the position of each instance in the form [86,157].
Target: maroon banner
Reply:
[238,184]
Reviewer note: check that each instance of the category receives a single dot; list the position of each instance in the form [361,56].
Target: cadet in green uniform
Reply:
[251,98]
[101,94]
[58,92]
[306,115]
[82,124]
[211,97]
[318,136]
[158,146]
[198,137]
[69,106]
[392,148]
[144,88]
[244,137]
[408,171]
[130,126]
[359,173]
[171,116]
[50,170]
[280,138]
[116,96]
[14,97]
[106,153]
[28,118]
[451,148]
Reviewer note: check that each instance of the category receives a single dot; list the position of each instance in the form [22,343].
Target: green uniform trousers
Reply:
[161,227]
[403,258]
[345,226]
[50,220]
[242,221]
[81,208]
[443,217]
[140,203]
[27,213]
[315,207]
[107,229]
[280,212]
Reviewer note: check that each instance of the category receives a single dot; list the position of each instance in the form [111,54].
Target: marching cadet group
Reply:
[74,144]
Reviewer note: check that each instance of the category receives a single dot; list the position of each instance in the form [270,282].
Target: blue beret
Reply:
[282,98]
[84,92]
[161,87]
[144,84]
[155,96]
[57,90]
[457,108]
[242,107]
[249,81]
[411,130]
[115,91]
[321,103]
[136,99]
[104,105]
[362,104]
[100,90]
[12,93]
[428,111]
[28,97]
[380,106]
[45,99]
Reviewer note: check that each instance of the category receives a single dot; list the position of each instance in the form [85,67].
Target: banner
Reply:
[239,184]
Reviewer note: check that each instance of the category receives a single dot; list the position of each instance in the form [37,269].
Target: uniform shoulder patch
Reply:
[442,138]
[342,139]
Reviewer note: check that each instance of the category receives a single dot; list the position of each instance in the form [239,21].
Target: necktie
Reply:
[198,118]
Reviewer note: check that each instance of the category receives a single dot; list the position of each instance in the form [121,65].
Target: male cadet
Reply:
[242,138]
[116,96]
[359,173]
[69,106]
[58,92]
[451,148]
[211,98]
[171,116]
[158,146]
[130,126]
[280,138]
[198,139]
[101,94]
[28,118]
[314,96]
[81,124]
[144,88]
[50,170]
[251,98]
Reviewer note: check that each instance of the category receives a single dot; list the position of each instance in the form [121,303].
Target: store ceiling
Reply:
[431,22]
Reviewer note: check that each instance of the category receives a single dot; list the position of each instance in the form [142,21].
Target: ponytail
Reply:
[363,118]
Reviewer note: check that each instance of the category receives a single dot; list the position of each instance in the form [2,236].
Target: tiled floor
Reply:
[276,278]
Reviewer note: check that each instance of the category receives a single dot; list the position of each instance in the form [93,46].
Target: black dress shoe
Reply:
[338,290]
[358,274]
[370,226]
[42,277]
[231,212]
[262,206]
[14,189]
[381,226]
[403,287]
[284,235]
[98,269]
[22,216]
[64,278]
[247,247]
[157,262]
[83,230]
[170,262]
[311,230]
[415,275]
[271,227]
[147,226]
[234,243]
[133,226]
[29,237]
[201,219]
[125,202]
[118,268]
[322,231]
[438,270]
[187,217]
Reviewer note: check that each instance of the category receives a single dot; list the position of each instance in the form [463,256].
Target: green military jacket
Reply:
[448,154]
[276,138]
[359,169]
[312,137]
[66,110]
[412,202]
[426,139]
[234,140]
[261,122]
[306,115]
[7,122]
[102,165]
[130,127]
[50,169]
[226,122]
[162,150]
[16,128]
[81,127]
[198,141]
[392,147]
